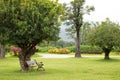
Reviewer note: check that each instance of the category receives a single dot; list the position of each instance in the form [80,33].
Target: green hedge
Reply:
[71,48]
[85,48]
[45,49]
[116,49]
[90,48]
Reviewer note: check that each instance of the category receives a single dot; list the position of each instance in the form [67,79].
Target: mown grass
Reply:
[63,69]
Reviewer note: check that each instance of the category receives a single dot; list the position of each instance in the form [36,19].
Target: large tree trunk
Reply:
[23,64]
[78,54]
[107,52]
[24,56]
[107,56]
[2,52]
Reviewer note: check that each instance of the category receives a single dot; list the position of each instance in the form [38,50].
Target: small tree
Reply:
[106,36]
[74,17]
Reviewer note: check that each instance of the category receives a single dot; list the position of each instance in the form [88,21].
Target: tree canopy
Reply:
[26,21]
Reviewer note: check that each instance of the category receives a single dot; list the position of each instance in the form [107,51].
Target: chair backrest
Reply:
[31,63]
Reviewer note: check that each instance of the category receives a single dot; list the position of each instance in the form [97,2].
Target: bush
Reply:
[84,49]
[71,48]
[59,51]
[15,50]
[44,49]
[12,53]
[116,49]
[87,49]
[90,48]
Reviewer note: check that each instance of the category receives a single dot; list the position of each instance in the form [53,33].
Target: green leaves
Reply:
[105,35]
[76,10]
[27,21]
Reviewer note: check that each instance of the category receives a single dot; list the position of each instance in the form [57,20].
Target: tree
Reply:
[52,40]
[3,44]
[2,51]
[25,23]
[74,17]
[84,30]
[106,36]
[70,32]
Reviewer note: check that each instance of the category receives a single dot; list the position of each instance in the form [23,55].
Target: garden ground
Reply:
[72,56]
[64,69]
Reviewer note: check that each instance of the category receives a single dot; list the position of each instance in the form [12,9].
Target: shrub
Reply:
[84,49]
[116,49]
[90,48]
[71,48]
[12,53]
[45,49]
[15,50]
[59,51]
[87,49]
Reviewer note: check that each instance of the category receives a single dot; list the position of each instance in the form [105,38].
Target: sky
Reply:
[103,9]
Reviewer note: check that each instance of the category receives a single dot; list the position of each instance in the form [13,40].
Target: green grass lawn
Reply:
[63,69]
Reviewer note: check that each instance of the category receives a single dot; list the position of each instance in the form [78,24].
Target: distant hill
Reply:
[63,33]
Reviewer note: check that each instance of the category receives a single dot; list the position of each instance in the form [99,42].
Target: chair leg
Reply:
[37,68]
[43,69]
[40,68]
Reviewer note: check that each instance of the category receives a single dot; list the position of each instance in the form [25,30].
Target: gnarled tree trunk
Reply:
[107,55]
[107,52]
[25,56]
[23,64]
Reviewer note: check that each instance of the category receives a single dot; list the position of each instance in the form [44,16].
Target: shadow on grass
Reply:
[57,71]
[28,73]
[109,60]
